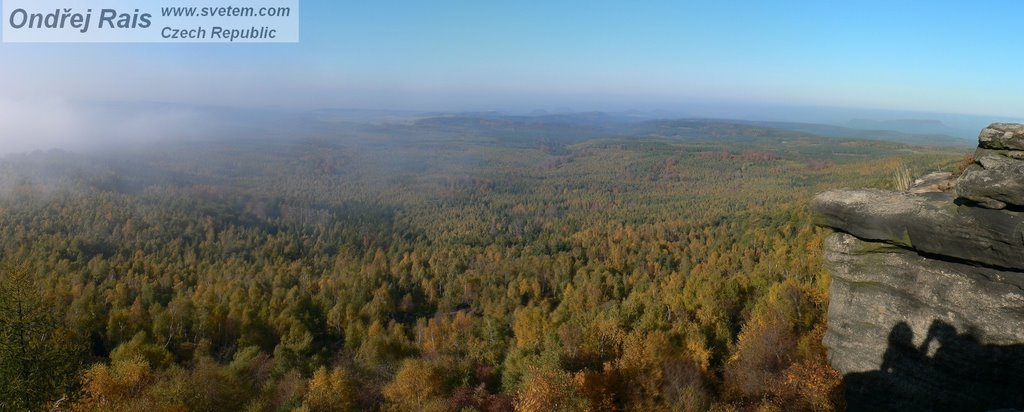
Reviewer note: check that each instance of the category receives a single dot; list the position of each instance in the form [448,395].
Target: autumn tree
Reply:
[763,351]
[330,390]
[418,386]
[547,389]
[115,387]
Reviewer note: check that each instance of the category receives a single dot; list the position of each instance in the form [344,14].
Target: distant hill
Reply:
[824,130]
[912,126]
[576,127]
[536,129]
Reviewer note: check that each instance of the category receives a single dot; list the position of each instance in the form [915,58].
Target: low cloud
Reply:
[42,124]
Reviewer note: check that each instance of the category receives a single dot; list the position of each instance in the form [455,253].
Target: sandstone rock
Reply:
[1013,154]
[914,333]
[931,224]
[926,309]
[938,182]
[1002,136]
[994,182]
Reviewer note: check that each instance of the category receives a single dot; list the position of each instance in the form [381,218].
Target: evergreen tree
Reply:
[38,365]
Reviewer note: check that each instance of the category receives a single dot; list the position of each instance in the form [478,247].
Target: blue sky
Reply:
[930,56]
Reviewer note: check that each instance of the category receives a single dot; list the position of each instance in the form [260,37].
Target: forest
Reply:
[446,264]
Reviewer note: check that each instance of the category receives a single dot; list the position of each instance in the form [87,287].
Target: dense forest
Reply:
[461,270]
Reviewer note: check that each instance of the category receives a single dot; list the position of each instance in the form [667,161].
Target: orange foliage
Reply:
[810,386]
[551,390]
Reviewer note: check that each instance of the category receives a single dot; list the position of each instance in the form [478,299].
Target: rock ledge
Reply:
[927,293]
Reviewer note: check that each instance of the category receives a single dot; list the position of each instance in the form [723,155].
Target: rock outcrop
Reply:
[927,293]
[996,180]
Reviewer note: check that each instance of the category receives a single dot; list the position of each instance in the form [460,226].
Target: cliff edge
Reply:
[927,296]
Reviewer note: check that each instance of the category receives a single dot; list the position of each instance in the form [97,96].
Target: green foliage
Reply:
[140,347]
[38,357]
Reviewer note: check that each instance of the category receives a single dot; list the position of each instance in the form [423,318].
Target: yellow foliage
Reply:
[528,327]
[764,349]
[445,335]
[552,390]
[330,391]
[641,368]
[698,351]
[113,387]
[597,388]
[123,378]
[418,386]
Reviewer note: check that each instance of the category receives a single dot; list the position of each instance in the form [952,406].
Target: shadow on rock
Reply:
[949,371]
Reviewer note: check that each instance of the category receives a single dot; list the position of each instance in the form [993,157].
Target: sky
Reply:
[910,56]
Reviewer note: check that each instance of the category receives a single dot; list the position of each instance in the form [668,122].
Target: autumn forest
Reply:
[438,264]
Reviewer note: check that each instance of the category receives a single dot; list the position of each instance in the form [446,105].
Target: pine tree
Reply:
[38,363]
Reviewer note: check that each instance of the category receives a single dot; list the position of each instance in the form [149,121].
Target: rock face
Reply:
[1002,136]
[996,180]
[927,294]
[938,182]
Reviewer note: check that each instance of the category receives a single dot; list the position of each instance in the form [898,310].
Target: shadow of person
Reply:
[901,349]
[877,390]
[947,372]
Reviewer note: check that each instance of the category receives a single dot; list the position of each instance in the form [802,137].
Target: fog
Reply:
[41,124]
[29,124]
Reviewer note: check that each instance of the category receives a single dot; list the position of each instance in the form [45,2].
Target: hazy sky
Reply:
[956,57]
